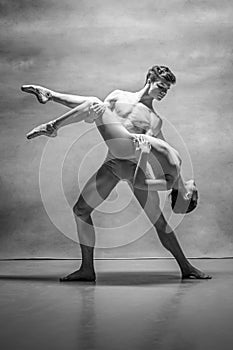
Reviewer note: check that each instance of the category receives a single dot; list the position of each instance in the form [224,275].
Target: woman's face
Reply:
[190,188]
[158,89]
[182,202]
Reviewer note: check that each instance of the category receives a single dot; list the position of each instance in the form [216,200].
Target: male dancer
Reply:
[135,111]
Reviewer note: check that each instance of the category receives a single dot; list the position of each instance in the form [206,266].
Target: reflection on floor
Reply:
[135,304]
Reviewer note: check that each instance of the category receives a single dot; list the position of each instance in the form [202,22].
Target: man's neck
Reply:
[144,98]
[147,101]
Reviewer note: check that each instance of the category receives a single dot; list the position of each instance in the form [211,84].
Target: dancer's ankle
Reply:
[54,124]
[54,96]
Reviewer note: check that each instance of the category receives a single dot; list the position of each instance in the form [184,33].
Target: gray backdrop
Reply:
[93,47]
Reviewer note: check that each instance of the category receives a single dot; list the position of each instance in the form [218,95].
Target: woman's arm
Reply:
[173,179]
[140,181]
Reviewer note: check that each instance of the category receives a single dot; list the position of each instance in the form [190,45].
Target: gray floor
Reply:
[133,305]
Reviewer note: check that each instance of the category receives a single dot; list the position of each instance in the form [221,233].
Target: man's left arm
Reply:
[160,136]
[154,131]
[155,128]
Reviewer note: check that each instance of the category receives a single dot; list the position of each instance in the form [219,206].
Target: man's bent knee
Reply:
[81,209]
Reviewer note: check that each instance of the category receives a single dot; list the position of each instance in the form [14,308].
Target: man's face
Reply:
[158,89]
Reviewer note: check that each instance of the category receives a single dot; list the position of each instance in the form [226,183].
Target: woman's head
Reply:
[160,79]
[182,204]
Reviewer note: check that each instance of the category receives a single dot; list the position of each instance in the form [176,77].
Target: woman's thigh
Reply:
[119,141]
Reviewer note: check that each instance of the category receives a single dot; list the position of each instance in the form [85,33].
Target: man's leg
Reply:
[94,193]
[44,95]
[150,203]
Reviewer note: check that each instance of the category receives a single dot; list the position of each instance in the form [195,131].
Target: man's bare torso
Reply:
[136,118]
[134,115]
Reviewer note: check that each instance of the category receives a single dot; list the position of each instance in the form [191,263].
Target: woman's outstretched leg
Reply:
[119,141]
[49,129]
[77,114]
[45,95]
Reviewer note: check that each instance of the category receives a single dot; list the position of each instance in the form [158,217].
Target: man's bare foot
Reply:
[43,129]
[194,273]
[79,276]
[43,95]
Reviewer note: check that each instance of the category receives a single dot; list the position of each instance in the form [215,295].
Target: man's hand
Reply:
[95,111]
[142,144]
[98,109]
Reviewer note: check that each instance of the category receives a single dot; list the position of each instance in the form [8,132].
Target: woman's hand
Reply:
[142,144]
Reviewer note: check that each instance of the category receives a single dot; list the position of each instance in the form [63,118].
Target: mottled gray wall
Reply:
[92,47]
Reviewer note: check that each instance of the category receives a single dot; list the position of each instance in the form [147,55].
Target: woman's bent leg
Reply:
[77,114]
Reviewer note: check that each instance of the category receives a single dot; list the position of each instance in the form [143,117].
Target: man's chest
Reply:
[135,116]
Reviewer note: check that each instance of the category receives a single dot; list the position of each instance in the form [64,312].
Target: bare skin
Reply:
[133,110]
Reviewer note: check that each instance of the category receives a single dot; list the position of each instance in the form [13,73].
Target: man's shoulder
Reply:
[116,94]
[113,94]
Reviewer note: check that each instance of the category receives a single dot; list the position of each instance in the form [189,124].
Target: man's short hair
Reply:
[161,72]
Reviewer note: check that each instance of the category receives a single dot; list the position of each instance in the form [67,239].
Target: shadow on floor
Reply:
[110,278]
[132,278]
[35,278]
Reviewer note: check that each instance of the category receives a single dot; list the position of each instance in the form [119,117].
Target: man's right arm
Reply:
[155,127]
[140,181]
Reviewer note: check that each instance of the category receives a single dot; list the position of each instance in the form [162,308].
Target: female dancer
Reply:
[123,144]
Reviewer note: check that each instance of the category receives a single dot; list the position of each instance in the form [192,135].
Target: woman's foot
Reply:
[43,95]
[79,276]
[193,273]
[43,129]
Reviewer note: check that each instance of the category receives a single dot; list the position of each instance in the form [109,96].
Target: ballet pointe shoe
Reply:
[42,130]
[43,95]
